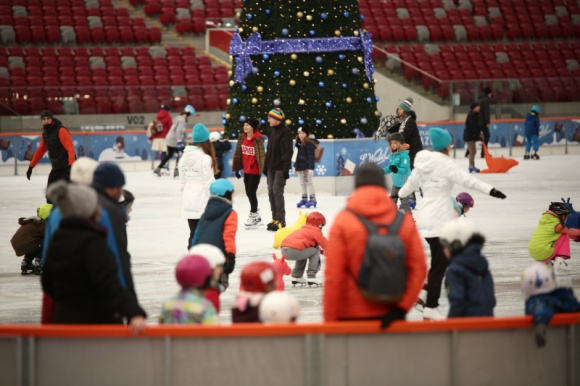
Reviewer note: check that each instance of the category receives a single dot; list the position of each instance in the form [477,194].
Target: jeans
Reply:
[276,184]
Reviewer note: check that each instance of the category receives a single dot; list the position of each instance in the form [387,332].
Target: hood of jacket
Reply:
[370,201]
[255,136]
[216,206]
[163,115]
[427,161]
[471,259]
[412,114]
[28,220]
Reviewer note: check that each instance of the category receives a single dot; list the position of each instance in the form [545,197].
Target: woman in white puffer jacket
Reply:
[196,173]
[436,173]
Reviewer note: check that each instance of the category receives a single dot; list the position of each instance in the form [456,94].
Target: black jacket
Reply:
[411,134]
[56,151]
[305,156]
[220,147]
[80,274]
[279,151]
[472,131]
[484,113]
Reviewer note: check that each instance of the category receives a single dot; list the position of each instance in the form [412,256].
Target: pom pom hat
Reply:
[276,114]
[406,105]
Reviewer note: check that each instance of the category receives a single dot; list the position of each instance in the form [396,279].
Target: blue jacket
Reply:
[403,163]
[469,284]
[305,157]
[532,124]
[543,307]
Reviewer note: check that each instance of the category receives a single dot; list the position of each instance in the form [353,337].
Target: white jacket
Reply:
[436,173]
[195,176]
[177,131]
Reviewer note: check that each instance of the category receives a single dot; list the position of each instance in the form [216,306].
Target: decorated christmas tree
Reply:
[311,58]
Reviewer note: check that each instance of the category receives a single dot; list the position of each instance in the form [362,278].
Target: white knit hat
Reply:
[82,170]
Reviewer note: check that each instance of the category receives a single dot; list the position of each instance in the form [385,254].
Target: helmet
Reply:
[257,275]
[397,137]
[316,219]
[221,187]
[456,233]
[192,271]
[213,254]
[189,109]
[279,307]
[44,210]
[465,199]
[214,136]
[538,278]
[535,109]
[560,208]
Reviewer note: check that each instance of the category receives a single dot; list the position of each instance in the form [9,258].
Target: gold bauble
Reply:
[377,113]
[306,74]
[254,100]
[301,101]
[343,121]
[355,33]
[337,33]
[360,59]
[330,136]
[299,14]
[293,56]
[260,89]
[348,100]
[232,83]
[365,85]
[288,122]
[330,72]
[240,30]
[308,17]
[254,29]
[292,82]
[228,116]
[230,73]
[228,101]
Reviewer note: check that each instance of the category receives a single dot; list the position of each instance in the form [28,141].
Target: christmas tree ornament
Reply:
[254,101]
[292,82]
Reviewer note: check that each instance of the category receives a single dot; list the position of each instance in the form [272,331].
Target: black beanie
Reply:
[45,114]
[255,123]
[369,174]
[305,128]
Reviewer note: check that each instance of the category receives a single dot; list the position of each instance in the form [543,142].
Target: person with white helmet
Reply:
[175,140]
[468,281]
[279,307]
[216,260]
[189,306]
[220,146]
[532,132]
[544,298]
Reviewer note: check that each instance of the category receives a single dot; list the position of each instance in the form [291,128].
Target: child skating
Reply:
[29,239]
[462,203]
[400,167]
[304,167]
[306,244]
[550,242]
[532,131]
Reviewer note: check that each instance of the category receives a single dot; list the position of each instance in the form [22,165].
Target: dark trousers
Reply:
[251,183]
[55,175]
[436,273]
[276,184]
[192,222]
[170,152]
[486,135]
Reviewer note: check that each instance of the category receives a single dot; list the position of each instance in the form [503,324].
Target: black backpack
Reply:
[383,275]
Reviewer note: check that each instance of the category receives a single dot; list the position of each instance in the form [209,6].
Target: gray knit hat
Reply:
[73,200]
[370,174]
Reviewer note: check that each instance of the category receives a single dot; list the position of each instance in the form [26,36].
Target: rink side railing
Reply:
[466,351]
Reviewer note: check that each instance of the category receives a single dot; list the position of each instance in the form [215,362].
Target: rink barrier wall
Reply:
[462,351]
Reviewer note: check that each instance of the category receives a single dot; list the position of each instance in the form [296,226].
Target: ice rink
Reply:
[158,236]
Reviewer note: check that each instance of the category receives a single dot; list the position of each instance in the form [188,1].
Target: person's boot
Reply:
[157,171]
[535,156]
[312,202]
[303,202]
[526,156]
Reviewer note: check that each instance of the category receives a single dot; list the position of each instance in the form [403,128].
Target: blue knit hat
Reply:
[440,138]
[200,133]
[109,175]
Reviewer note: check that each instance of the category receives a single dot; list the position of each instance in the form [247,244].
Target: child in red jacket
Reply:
[307,243]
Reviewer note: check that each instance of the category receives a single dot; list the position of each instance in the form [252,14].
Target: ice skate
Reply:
[175,173]
[560,266]
[157,171]
[421,299]
[526,156]
[36,266]
[432,314]
[312,202]
[275,225]
[302,202]
[535,156]
[253,221]
[298,281]
[313,281]
[26,266]
[412,204]
[473,170]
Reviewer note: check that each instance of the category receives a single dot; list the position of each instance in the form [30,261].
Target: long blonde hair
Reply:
[207,148]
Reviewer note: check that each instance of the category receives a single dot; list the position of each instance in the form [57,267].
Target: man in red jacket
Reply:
[346,246]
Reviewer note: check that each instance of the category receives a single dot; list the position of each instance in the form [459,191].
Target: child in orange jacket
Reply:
[307,243]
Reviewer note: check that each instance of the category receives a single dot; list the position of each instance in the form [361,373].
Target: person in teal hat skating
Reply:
[532,132]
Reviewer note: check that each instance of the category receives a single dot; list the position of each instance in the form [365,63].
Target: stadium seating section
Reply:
[88,56]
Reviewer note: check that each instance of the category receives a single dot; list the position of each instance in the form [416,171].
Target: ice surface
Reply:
[158,236]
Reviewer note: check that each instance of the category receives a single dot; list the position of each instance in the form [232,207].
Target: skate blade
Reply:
[299,283]
[310,284]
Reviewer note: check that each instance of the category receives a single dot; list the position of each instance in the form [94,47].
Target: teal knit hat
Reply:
[200,133]
[440,138]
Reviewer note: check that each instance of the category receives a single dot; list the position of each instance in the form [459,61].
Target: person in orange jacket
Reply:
[218,226]
[346,246]
[306,243]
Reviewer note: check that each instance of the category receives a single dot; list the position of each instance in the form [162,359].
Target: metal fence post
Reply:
[168,364]
[313,345]
[511,136]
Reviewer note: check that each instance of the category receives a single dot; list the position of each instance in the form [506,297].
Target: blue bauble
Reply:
[377,98]
[301,122]
[363,121]
[223,116]
[346,14]
[341,57]
[268,12]
[242,118]
[318,122]
[255,70]
[369,99]
[244,87]
[319,59]
[354,71]
[312,32]
[234,135]
[224,122]
[250,16]
[276,73]
[285,31]
[344,85]
[235,100]
[323,15]
[362,17]
[328,104]
[266,56]
[320,84]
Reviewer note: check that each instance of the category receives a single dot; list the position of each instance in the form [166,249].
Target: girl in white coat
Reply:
[436,173]
[196,173]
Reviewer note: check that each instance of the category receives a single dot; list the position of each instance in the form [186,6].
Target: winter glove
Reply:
[180,146]
[393,168]
[230,263]
[497,194]
[238,175]
[286,174]
[395,314]
[29,173]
